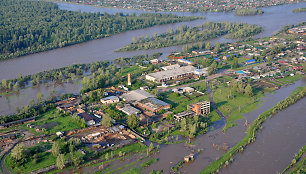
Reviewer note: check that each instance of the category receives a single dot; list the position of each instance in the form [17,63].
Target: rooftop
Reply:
[173,72]
[136,95]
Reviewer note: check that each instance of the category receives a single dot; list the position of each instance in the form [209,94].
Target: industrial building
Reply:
[182,115]
[136,95]
[110,99]
[129,110]
[171,74]
[200,108]
[152,104]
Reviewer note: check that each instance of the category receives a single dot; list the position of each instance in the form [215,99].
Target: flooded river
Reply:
[170,155]
[103,49]
[275,146]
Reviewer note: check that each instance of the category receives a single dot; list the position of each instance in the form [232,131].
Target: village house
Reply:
[90,121]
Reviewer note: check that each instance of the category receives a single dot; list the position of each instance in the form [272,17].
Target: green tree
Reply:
[39,97]
[55,148]
[60,161]
[133,121]
[212,68]
[18,152]
[106,121]
[249,90]
[208,45]
[217,47]
[183,124]
[235,63]
[151,147]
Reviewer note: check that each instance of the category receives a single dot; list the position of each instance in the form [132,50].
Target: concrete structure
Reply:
[182,115]
[110,99]
[185,61]
[129,79]
[189,158]
[153,104]
[200,108]
[188,89]
[172,74]
[170,67]
[129,110]
[136,95]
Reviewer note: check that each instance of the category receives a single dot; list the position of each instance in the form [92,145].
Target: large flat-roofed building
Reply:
[200,108]
[172,74]
[129,110]
[153,104]
[136,95]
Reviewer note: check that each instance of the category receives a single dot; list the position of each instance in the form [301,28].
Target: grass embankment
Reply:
[298,164]
[252,131]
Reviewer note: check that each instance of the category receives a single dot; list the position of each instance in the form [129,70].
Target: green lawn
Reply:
[47,159]
[230,106]
[291,79]
[65,122]
[179,102]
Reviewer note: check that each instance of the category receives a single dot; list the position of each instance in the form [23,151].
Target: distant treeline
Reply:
[28,27]
[76,71]
[248,12]
[297,10]
[185,34]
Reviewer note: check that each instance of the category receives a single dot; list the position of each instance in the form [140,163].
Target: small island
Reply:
[298,10]
[248,12]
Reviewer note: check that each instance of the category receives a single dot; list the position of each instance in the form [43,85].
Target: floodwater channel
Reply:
[170,155]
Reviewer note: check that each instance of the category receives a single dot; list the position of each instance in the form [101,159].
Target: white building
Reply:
[172,74]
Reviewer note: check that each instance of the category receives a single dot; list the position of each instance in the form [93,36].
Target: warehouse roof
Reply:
[174,72]
[136,95]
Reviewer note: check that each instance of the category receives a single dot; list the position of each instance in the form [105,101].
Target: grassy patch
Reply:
[64,122]
[149,162]
[290,79]
[47,159]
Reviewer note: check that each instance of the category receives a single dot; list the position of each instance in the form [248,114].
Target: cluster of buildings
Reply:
[140,101]
[298,30]
[183,6]
[69,105]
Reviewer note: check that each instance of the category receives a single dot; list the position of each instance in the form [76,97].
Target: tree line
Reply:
[28,27]
[248,12]
[185,34]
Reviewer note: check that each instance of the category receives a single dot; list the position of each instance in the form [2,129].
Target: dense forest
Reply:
[248,12]
[185,34]
[33,26]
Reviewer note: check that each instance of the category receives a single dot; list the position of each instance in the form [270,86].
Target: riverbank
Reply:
[252,131]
